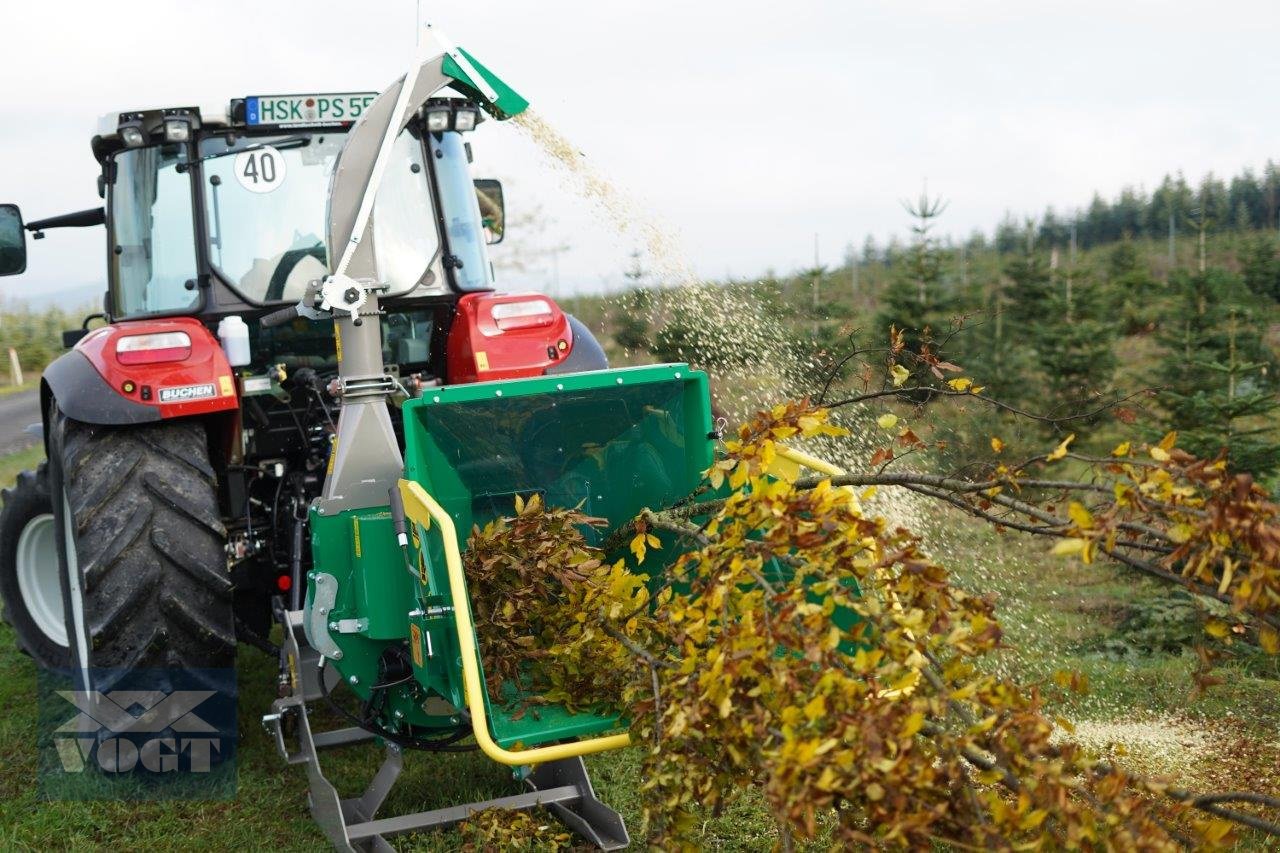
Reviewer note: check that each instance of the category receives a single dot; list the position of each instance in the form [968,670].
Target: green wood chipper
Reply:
[387,610]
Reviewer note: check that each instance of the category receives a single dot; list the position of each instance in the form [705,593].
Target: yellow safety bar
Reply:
[789,461]
[423,509]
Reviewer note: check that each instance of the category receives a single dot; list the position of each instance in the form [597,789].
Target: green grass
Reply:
[14,463]
[1052,610]
[5,390]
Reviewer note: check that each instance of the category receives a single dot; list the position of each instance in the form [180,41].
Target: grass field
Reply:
[1056,614]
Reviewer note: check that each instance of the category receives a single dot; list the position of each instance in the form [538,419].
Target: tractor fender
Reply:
[586,353]
[93,385]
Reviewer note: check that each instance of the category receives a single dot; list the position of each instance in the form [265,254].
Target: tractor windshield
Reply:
[266,206]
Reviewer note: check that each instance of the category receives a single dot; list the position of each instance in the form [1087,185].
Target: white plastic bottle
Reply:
[234,335]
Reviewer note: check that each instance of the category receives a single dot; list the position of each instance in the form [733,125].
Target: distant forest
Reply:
[1248,202]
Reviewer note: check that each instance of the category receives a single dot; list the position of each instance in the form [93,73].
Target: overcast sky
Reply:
[748,127]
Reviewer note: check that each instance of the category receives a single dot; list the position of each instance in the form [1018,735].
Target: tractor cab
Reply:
[224,211]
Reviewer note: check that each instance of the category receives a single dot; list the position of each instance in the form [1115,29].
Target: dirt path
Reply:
[17,412]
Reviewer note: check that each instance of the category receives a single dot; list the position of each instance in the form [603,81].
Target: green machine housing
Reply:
[611,442]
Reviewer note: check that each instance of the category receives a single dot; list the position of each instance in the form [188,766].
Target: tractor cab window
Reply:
[153,247]
[266,212]
[463,226]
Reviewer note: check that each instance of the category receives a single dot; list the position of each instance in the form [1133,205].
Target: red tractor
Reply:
[186,438]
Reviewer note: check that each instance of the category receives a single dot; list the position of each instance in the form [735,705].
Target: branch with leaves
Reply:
[816,653]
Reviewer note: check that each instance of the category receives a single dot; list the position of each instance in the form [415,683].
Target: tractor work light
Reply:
[177,130]
[154,348]
[439,118]
[464,119]
[132,137]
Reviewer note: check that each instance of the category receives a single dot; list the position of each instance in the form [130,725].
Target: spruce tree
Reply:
[1074,342]
[1217,376]
[920,302]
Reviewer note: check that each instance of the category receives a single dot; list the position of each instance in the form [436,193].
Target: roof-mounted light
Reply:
[439,119]
[131,130]
[464,118]
[443,114]
[177,130]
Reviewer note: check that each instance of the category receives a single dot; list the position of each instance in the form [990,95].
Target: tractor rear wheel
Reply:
[29,572]
[142,548]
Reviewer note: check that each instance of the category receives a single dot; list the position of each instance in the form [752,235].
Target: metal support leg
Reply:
[352,824]
[586,815]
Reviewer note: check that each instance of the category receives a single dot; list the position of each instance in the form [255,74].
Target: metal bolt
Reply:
[324,610]
[337,655]
[453,720]
[320,510]
[353,680]
[497,393]
[333,626]
[559,386]
[399,714]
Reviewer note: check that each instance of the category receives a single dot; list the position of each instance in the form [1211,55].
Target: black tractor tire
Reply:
[27,510]
[149,548]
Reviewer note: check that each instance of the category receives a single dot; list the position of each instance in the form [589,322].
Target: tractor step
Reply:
[352,824]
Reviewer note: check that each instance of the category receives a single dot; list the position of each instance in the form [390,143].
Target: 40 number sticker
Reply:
[261,170]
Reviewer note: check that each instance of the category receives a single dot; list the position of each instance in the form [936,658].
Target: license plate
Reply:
[277,110]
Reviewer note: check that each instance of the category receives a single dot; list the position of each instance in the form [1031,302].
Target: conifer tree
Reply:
[920,301]
[1217,376]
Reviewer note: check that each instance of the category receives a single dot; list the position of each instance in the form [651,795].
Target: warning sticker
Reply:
[415,643]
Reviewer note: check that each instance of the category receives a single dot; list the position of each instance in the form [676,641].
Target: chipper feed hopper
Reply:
[386,613]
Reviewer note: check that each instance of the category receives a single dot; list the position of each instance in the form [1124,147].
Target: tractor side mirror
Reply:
[492,210]
[13,241]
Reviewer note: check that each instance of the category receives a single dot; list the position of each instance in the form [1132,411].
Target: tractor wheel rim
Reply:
[38,580]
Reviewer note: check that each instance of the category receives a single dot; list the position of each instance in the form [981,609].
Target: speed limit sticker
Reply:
[260,170]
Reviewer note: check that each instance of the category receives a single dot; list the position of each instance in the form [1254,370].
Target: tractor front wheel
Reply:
[142,549]
[29,572]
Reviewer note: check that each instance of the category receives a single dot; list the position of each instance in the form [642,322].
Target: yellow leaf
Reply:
[726,706]
[899,374]
[1121,449]
[1034,819]
[1169,440]
[1061,450]
[1067,547]
[1159,454]
[637,547]
[653,541]
[1180,533]
[1080,515]
[961,384]
[815,707]
[1217,628]
[997,445]
[887,421]
[1269,639]
[874,791]
[913,724]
